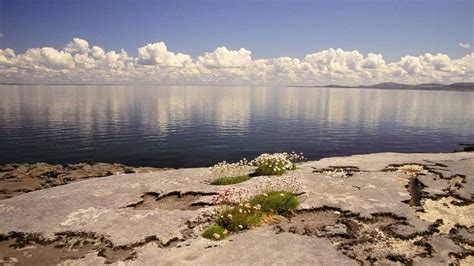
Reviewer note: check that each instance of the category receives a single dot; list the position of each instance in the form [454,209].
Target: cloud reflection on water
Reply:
[223,121]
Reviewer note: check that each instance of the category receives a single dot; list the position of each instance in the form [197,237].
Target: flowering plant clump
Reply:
[296,158]
[278,195]
[290,185]
[238,211]
[224,169]
[276,164]
[230,173]
[235,212]
[240,217]
[231,196]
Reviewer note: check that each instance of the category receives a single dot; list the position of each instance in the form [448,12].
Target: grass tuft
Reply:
[278,202]
[229,180]
[215,232]
[238,218]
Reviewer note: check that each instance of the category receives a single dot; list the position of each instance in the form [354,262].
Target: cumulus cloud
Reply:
[80,62]
[224,58]
[77,45]
[157,54]
[97,52]
[46,57]
[8,58]
[464,45]
[373,61]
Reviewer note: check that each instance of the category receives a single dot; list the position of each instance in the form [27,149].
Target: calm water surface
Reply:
[199,126]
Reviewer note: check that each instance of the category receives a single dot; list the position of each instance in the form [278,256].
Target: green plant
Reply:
[215,232]
[225,169]
[238,218]
[276,164]
[229,180]
[237,211]
[278,202]
[271,164]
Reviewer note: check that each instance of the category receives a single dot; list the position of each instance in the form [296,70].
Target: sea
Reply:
[198,126]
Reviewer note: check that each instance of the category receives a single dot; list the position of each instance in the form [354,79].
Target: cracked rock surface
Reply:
[16,179]
[385,208]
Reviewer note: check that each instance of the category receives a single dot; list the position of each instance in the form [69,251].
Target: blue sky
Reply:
[267,28]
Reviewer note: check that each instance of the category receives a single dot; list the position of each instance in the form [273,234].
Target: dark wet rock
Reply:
[414,188]
[467,147]
[16,179]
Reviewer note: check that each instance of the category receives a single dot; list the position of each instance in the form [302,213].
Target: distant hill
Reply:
[461,86]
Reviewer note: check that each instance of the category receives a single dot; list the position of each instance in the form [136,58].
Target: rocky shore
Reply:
[385,208]
[16,179]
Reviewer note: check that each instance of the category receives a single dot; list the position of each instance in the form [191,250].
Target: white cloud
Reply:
[79,62]
[1,35]
[77,45]
[46,57]
[464,45]
[373,61]
[224,58]
[97,52]
[84,60]
[8,58]
[157,54]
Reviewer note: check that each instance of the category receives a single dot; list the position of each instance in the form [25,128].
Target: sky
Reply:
[262,41]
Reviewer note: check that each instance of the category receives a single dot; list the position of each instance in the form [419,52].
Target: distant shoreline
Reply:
[462,86]
[394,89]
